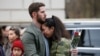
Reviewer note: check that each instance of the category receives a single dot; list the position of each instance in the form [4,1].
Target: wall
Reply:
[16,10]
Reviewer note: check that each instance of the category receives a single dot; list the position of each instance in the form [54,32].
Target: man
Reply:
[34,41]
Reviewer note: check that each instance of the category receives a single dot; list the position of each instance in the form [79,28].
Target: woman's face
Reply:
[48,32]
[12,36]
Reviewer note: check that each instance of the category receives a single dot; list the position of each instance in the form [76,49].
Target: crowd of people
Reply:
[10,41]
[43,37]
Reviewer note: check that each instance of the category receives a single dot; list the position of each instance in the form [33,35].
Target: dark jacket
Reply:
[1,51]
[33,41]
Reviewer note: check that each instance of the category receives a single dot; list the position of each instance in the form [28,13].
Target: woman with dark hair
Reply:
[13,34]
[1,43]
[54,30]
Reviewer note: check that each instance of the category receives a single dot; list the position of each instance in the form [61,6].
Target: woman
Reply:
[1,43]
[54,29]
[13,34]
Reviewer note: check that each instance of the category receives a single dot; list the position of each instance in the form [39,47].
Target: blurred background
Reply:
[82,8]
[16,10]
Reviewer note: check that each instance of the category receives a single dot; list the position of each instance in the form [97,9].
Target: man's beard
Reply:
[39,19]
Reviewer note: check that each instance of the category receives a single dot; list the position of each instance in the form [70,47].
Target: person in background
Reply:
[17,48]
[22,30]
[1,43]
[13,34]
[5,30]
[33,39]
[55,31]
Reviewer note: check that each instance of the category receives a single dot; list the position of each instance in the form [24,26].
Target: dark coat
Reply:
[1,51]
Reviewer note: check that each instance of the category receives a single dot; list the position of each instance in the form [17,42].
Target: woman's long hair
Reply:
[59,29]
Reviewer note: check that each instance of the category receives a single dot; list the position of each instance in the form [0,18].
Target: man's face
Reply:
[41,15]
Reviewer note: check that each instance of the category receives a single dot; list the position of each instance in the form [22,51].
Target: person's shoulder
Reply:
[65,43]
[32,28]
[29,29]
[65,40]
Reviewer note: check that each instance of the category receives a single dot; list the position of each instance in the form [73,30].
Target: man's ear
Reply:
[34,14]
